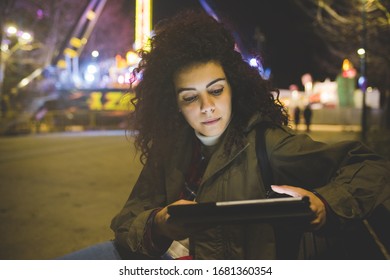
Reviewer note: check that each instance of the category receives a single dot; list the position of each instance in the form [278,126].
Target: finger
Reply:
[317,223]
[319,220]
[178,202]
[183,201]
[284,189]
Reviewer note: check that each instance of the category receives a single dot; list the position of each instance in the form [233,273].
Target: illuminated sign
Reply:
[111,100]
[95,100]
[143,22]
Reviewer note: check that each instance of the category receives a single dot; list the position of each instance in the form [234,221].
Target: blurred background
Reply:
[65,65]
[66,163]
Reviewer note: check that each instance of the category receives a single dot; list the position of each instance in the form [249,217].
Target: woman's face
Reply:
[204,97]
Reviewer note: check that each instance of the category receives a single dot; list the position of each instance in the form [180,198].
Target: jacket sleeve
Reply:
[131,223]
[350,177]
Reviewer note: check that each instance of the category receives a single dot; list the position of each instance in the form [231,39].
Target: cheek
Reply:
[227,106]
[188,113]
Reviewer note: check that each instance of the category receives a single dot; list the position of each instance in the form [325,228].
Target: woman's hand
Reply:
[175,231]
[316,204]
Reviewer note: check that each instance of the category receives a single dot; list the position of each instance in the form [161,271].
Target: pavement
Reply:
[59,191]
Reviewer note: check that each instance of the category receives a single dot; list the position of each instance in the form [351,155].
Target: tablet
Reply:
[286,209]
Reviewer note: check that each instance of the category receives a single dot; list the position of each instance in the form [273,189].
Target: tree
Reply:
[347,25]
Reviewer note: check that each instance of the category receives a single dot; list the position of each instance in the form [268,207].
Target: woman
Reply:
[197,106]
[196,109]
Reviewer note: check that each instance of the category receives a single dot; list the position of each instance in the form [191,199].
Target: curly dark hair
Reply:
[191,38]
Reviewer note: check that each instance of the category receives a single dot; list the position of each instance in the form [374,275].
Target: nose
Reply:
[207,105]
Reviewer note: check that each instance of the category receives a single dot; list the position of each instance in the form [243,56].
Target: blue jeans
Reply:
[102,251]
[108,250]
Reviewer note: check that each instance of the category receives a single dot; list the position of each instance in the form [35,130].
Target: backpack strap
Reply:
[262,158]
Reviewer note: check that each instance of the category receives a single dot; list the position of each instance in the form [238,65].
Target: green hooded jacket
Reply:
[351,178]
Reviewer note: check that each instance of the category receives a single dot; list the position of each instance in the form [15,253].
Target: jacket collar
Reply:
[254,120]
[219,159]
[177,164]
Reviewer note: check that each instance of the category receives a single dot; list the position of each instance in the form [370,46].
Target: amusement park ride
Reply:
[66,60]
[76,100]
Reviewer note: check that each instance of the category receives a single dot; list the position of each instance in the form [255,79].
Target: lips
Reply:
[211,121]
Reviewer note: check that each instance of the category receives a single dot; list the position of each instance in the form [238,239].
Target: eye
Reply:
[189,99]
[216,92]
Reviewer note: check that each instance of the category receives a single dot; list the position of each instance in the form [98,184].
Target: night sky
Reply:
[288,44]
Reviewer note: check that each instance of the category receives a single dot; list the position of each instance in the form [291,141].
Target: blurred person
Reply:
[307,115]
[297,117]
[197,106]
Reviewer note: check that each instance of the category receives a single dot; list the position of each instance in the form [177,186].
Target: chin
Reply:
[212,133]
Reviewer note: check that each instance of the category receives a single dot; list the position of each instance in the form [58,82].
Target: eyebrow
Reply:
[209,84]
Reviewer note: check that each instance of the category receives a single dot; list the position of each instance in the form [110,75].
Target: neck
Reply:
[208,140]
